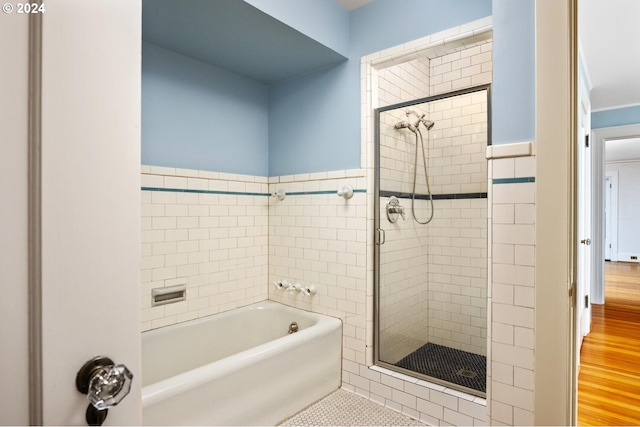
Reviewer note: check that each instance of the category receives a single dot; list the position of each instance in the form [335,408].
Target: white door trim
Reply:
[35,220]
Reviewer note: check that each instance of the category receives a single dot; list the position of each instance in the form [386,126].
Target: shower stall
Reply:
[431,246]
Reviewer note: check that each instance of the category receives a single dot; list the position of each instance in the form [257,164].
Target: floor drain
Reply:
[466,373]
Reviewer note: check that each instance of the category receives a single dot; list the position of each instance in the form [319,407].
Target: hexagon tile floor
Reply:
[343,408]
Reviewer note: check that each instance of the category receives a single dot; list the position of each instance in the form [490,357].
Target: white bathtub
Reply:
[239,367]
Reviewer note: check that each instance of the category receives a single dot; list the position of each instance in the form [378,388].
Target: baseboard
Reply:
[628,257]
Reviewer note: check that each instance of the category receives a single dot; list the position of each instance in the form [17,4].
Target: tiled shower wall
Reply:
[208,231]
[403,296]
[445,296]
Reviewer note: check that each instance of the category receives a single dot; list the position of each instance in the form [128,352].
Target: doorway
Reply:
[615,305]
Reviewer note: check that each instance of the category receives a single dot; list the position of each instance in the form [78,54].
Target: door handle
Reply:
[105,385]
[382,237]
[585,242]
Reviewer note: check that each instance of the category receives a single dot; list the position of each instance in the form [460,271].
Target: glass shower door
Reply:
[431,267]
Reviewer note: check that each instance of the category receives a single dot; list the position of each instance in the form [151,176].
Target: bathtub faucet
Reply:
[304,290]
[292,288]
[293,328]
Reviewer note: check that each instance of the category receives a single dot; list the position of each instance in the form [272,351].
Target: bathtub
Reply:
[239,367]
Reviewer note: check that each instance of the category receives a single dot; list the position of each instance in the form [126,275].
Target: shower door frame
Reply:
[379,234]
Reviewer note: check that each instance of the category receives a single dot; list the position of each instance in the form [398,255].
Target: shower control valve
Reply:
[394,209]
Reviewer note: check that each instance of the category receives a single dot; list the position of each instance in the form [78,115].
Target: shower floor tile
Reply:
[343,408]
[448,364]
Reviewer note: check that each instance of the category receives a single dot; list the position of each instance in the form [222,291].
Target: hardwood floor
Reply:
[609,380]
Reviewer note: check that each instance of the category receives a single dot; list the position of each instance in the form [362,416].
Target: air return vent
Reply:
[168,295]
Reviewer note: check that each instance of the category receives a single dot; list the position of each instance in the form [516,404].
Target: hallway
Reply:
[609,380]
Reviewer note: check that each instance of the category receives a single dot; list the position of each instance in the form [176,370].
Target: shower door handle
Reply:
[382,237]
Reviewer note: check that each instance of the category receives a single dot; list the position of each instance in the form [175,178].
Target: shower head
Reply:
[427,123]
[407,125]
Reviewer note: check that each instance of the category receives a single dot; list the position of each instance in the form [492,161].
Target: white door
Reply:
[583,306]
[607,218]
[611,215]
[14,353]
[90,127]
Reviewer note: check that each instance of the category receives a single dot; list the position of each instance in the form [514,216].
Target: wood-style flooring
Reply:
[609,379]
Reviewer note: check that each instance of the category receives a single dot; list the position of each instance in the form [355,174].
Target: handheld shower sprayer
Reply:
[406,125]
[415,128]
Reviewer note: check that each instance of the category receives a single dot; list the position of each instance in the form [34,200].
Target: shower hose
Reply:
[426,176]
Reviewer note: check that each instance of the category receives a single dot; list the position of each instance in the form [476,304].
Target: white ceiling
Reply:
[610,40]
[623,150]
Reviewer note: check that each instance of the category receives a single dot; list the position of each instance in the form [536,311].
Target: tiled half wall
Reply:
[510,382]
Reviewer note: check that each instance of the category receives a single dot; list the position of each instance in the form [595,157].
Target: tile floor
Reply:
[343,408]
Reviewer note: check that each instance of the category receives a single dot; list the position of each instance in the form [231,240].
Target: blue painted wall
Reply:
[324,21]
[616,117]
[513,90]
[314,120]
[197,116]
[201,117]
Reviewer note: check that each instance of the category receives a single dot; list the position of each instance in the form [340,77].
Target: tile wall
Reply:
[403,292]
[208,231]
[512,298]
[465,68]
[318,238]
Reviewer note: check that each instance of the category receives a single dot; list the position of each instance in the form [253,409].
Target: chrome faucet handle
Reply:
[281,284]
[309,290]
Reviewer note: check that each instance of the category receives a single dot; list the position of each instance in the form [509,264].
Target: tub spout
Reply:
[293,328]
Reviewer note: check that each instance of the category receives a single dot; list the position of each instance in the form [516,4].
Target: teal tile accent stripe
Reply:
[182,190]
[241,193]
[307,193]
[514,180]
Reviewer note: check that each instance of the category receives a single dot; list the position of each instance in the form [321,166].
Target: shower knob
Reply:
[394,209]
[105,385]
